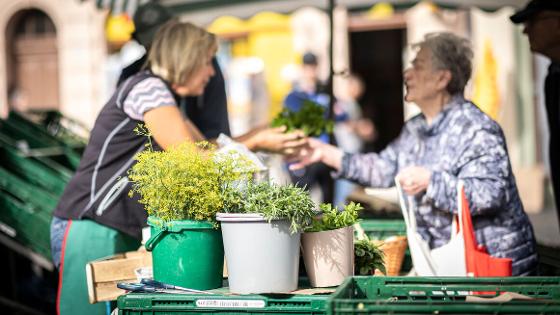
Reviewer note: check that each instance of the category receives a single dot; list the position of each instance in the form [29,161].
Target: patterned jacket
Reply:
[462,143]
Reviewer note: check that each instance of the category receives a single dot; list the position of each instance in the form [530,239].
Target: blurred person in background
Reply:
[541,19]
[309,88]
[451,140]
[351,133]
[95,217]
[208,111]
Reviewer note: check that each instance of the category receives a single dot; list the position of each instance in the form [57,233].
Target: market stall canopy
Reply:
[204,11]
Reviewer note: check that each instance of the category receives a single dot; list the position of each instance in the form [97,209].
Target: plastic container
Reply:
[163,304]
[328,256]
[261,257]
[27,224]
[381,229]
[444,295]
[42,144]
[36,170]
[186,253]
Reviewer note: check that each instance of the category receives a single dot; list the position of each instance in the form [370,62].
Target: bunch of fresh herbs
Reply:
[273,202]
[310,119]
[185,182]
[333,219]
[368,257]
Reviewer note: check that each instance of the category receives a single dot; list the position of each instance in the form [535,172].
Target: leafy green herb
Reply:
[186,182]
[310,119]
[368,257]
[333,219]
[273,202]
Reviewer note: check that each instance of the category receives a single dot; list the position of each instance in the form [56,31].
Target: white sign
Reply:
[231,303]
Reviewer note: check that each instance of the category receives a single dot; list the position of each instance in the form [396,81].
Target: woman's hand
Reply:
[414,179]
[317,151]
[274,140]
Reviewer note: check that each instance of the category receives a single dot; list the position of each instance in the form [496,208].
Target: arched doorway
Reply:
[32,61]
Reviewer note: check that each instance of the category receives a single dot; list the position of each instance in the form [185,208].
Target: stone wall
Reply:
[81,54]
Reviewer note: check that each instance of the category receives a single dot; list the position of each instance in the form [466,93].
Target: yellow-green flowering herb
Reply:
[142,130]
[185,182]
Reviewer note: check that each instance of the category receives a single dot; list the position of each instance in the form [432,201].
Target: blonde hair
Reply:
[179,50]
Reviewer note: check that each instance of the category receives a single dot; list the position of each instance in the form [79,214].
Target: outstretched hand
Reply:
[316,151]
[275,140]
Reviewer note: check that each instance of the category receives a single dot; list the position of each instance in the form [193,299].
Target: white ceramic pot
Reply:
[329,256]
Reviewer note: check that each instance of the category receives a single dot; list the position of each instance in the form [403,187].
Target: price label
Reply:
[231,303]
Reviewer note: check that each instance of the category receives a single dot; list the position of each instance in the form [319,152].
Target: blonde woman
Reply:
[95,217]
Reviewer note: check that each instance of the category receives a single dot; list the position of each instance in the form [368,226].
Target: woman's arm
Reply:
[371,169]
[169,128]
[273,140]
[317,151]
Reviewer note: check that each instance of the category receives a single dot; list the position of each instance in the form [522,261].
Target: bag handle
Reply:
[360,233]
[403,203]
[460,205]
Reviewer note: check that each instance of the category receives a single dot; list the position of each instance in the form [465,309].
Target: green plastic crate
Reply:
[38,171]
[26,224]
[54,123]
[381,229]
[173,304]
[443,295]
[63,136]
[26,192]
[38,143]
[26,212]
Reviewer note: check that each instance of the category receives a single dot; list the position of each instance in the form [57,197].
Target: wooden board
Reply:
[104,274]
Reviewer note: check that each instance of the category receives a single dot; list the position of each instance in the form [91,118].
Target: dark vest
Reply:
[99,189]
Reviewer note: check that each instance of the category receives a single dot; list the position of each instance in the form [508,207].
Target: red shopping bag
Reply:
[479,262]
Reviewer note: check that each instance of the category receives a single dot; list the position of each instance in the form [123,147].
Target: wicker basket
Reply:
[394,249]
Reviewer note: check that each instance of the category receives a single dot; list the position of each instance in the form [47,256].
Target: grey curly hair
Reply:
[450,52]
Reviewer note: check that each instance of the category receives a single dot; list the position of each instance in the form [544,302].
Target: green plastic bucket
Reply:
[186,253]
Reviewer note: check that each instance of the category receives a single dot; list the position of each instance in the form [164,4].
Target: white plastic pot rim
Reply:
[241,217]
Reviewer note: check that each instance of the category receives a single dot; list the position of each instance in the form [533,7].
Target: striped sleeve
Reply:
[145,96]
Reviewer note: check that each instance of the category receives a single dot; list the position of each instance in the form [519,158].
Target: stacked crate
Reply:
[35,166]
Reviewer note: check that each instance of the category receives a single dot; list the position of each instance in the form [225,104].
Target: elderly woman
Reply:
[450,140]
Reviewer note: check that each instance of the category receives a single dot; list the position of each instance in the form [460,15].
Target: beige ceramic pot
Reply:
[329,256]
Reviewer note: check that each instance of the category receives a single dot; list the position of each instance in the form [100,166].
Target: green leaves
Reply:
[333,219]
[273,202]
[310,119]
[185,182]
[368,257]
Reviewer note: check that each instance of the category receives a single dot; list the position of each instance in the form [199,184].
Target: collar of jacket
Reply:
[418,124]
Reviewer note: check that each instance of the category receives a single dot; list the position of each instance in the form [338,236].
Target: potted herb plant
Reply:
[261,227]
[368,257]
[181,189]
[328,245]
